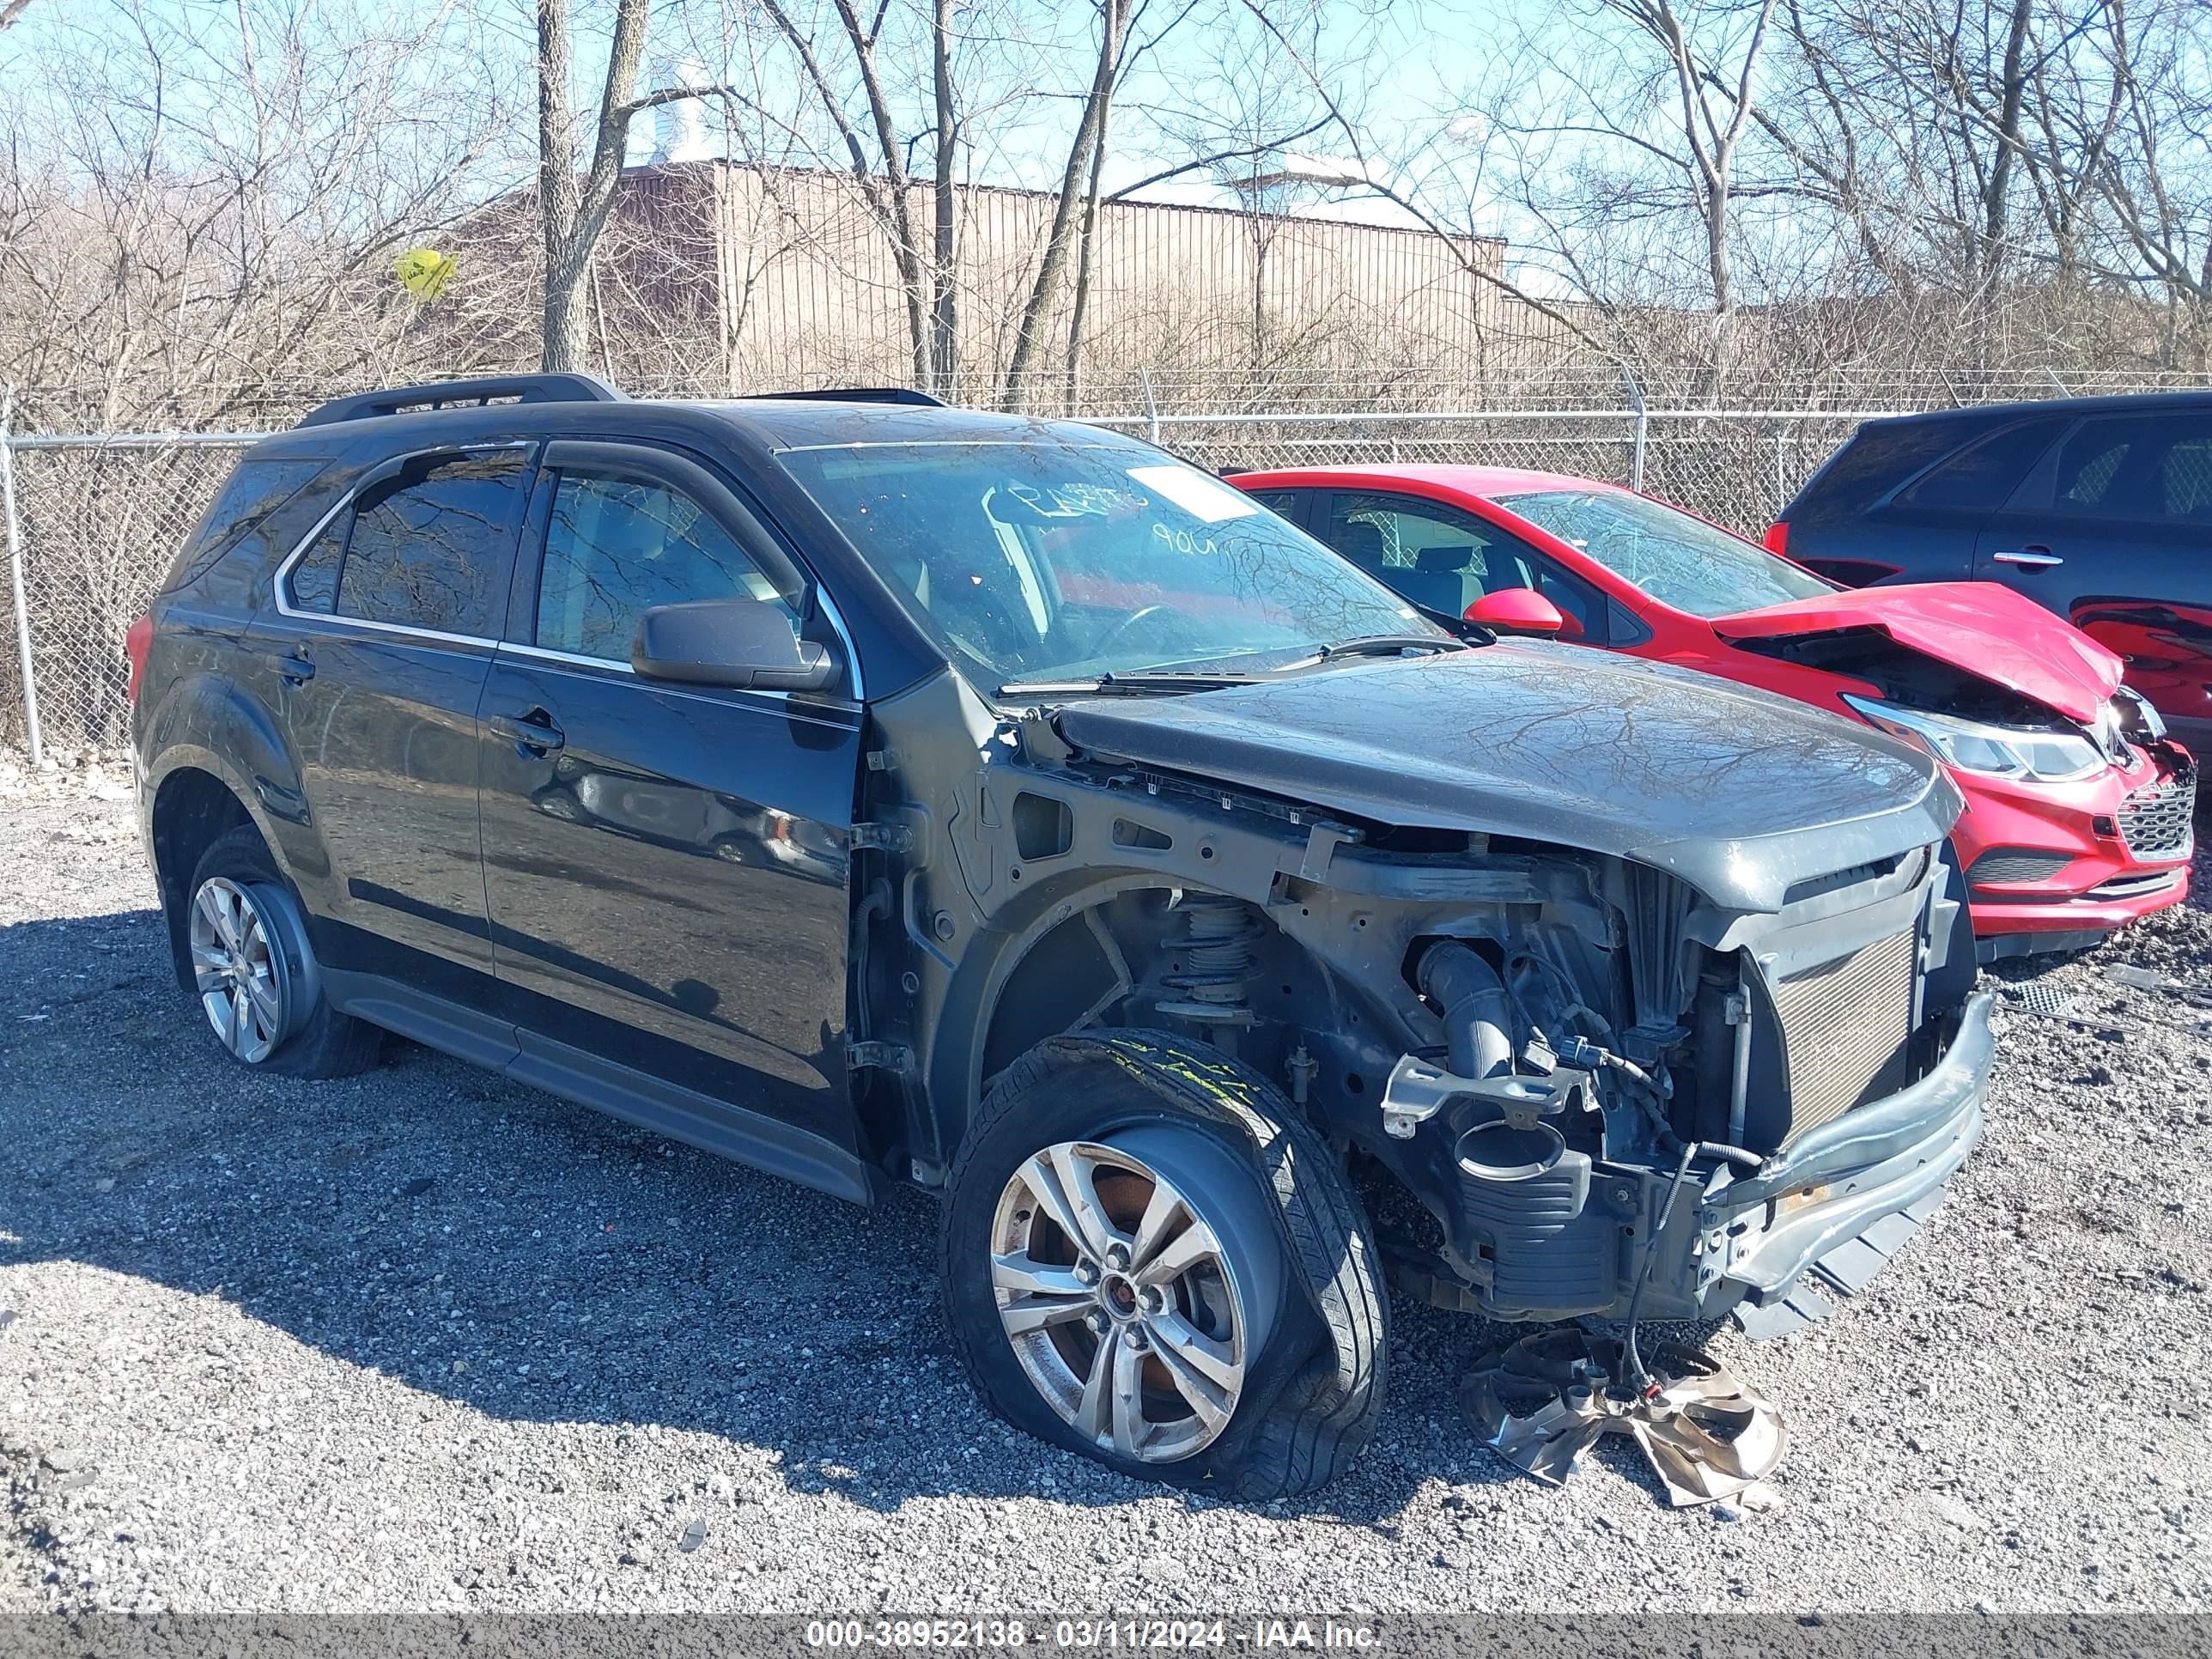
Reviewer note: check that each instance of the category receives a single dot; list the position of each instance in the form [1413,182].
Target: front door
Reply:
[666,865]
[1445,558]
[2113,530]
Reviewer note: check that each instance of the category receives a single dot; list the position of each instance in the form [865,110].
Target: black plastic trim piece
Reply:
[696,1119]
[668,1108]
[466,394]
[858,394]
[433,1021]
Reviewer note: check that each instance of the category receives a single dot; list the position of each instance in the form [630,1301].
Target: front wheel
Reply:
[1150,1260]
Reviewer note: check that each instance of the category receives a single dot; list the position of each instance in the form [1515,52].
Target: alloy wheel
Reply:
[1129,1288]
[237,969]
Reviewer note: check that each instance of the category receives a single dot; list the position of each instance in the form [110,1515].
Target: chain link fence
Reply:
[94,522]
[1737,468]
[92,526]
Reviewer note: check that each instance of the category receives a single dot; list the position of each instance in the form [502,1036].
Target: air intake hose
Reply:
[1478,1012]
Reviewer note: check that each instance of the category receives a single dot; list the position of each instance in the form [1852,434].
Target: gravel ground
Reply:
[425,1340]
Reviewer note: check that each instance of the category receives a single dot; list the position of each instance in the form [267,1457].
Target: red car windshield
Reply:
[1680,560]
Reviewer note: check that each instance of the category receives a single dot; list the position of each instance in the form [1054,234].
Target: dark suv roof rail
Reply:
[456,394]
[862,394]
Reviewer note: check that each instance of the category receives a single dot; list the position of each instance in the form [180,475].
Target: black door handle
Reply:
[533,731]
[297,669]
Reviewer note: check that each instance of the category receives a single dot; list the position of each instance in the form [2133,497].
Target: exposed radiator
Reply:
[1845,1025]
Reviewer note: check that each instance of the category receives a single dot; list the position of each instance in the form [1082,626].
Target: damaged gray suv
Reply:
[874,790]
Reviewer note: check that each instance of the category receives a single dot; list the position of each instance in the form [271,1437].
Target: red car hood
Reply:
[1986,630]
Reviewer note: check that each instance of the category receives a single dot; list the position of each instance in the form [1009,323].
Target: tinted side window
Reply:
[1283,503]
[2149,467]
[615,547]
[255,489]
[2185,477]
[1875,461]
[431,549]
[1980,476]
[314,579]
[2090,463]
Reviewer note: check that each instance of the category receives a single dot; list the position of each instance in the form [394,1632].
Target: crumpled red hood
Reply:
[1980,627]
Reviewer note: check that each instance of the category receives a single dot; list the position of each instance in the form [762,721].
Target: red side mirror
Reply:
[1516,610]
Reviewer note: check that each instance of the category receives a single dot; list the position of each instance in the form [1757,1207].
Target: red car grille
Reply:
[2015,867]
[2155,819]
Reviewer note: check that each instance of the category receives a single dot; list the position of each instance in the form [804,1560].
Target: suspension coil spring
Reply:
[1215,944]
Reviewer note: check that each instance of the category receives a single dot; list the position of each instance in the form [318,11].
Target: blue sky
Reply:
[1416,45]
[1414,57]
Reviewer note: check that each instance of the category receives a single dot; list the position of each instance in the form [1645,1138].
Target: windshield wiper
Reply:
[1377,644]
[1143,685]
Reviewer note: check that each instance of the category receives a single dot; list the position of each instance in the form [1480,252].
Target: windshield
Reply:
[1043,561]
[1678,560]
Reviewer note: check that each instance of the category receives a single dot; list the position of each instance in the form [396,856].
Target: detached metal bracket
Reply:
[1417,1090]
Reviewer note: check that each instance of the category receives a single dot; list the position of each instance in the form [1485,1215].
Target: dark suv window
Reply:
[1979,477]
[254,491]
[615,547]
[428,549]
[2131,466]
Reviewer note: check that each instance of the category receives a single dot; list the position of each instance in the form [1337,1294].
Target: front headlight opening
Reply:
[1994,752]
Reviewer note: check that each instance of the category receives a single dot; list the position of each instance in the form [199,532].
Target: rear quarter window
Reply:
[1873,463]
[230,528]
[1981,477]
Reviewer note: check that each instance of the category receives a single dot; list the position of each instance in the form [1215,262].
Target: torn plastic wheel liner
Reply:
[1541,1403]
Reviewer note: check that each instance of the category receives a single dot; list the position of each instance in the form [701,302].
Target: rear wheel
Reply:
[254,973]
[1150,1260]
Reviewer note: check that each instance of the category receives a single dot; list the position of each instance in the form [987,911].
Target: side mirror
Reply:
[745,644]
[1516,610]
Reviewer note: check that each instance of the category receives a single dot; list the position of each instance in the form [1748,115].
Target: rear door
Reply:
[1905,499]
[374,654]
[2112,530]
[666,865]
[1930,527]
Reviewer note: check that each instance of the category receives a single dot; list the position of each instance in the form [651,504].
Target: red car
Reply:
[2078,809]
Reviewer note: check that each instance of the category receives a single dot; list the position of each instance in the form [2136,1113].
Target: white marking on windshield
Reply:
[1196,494]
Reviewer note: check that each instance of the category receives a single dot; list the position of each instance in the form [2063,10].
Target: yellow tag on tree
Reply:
[424,272]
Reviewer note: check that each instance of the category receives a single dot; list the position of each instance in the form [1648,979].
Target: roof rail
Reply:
[459,394]
[860,394]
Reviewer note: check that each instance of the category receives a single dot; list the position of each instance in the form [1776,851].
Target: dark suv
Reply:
[2099,508]
[870,791]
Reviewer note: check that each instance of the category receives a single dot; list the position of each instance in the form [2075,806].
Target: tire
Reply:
[250,955]
[1291,1306]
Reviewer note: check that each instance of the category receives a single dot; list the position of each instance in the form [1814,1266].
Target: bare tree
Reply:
[1084,151]
[572,210]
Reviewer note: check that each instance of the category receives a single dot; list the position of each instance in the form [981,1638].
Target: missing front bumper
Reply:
[1817,1222]
[1564,1237]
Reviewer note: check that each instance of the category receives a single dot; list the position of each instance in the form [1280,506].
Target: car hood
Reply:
[1987,631]
[1737,792]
